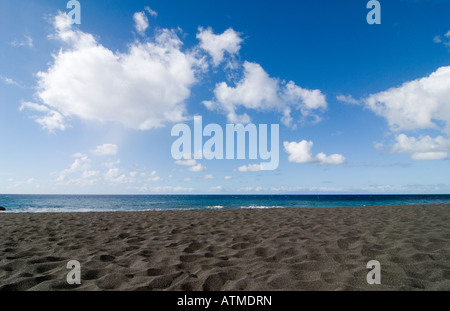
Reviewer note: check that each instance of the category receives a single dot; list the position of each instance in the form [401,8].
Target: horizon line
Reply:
[192,194]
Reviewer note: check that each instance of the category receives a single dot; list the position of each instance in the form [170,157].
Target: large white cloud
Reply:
[258,91]
[419,104]
[142,89]
[300,152]
[424,148]
[147,86]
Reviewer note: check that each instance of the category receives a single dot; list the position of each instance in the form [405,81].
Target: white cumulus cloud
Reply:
[114,175]
[424,148]
[143,88]
[250,168]
[416,104]
[258,91]
[153,176]
[421,104]
[80,164]
[84,171]
[216,45]
[140,22]
[193,165]
[333,159]
[197,168]
[300,152]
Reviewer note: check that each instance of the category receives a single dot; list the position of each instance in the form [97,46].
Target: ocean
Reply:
[121,203]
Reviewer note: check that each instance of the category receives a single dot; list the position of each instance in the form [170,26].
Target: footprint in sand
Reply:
[107,258]
[193,247]
[347,243]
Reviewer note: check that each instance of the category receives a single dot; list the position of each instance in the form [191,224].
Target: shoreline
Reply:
[229,249]
[6,211]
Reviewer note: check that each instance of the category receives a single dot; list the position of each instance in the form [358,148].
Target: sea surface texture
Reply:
[120,203]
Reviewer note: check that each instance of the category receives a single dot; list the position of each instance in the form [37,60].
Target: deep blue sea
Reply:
[107,203]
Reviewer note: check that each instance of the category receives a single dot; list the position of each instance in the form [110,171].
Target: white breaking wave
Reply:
[261,207]
[215,207]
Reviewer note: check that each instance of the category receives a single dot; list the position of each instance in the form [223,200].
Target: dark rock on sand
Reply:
[2,208]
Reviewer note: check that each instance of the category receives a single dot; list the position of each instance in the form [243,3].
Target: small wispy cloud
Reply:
[151,12]
[10,81]
[216,189]
[250,168]
[444,39]
[111,163]
[106,149]
[348,99]
[52,121]
[27,41]
[437,39]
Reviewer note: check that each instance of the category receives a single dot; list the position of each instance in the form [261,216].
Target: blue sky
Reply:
[89,108]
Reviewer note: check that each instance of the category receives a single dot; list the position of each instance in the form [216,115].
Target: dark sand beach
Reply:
[273,249]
